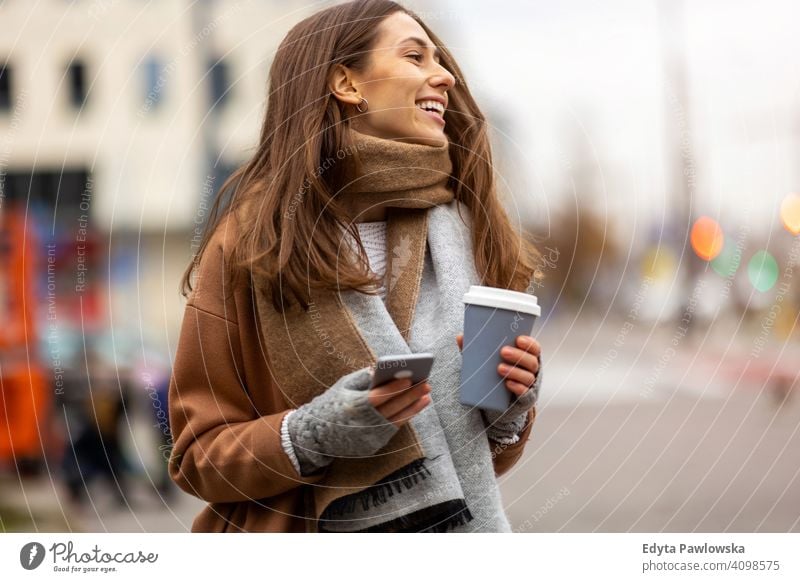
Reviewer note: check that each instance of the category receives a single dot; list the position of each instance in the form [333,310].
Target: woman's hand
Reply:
[398,401]
[521,364]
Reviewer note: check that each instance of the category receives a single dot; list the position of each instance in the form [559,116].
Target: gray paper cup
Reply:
[493,318]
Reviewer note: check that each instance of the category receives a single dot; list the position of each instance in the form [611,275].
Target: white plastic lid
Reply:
[503,299]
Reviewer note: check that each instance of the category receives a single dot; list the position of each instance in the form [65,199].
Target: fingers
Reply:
[407,413]
[385,392]
[517,374]
[520,358]
[520,365]
[529,344]
[392,397]
[518,380]
[460,341]
[517,387]
[404,400]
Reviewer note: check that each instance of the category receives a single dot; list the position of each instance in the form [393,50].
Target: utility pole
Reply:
[682,163]
[201,16]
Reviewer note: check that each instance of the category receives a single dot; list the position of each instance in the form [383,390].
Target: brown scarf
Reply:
[310,350]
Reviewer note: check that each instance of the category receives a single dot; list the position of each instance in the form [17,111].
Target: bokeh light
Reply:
[790,213]
[727,262]
[762,271]
[659,263]
[707,238]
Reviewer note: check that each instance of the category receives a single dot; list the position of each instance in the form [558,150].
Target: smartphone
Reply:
[417,367]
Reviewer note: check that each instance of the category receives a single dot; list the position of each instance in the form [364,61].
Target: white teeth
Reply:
[435,105]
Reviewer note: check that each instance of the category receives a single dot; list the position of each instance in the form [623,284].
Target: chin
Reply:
[437,142]
[424,136]
[431,139]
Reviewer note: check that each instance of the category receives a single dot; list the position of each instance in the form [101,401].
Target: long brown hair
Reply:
[289,226]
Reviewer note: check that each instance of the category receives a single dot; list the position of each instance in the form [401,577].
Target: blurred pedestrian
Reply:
[95,420]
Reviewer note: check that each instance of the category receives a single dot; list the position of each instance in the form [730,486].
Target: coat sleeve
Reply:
[504,456]
[223,449]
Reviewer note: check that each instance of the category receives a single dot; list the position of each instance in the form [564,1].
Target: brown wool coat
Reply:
[226,412]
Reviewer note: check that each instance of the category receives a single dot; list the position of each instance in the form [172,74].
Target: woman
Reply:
[349,235]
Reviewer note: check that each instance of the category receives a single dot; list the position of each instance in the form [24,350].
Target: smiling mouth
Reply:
[435,115]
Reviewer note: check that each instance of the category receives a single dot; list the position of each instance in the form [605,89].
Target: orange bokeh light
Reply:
[790,213]
[707,238]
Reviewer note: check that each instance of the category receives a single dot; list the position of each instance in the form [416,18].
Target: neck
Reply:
[387,173]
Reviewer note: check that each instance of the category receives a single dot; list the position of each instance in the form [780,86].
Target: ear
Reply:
[341,85]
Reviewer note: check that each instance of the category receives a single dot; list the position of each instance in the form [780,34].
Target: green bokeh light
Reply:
[727,262]
[762,271]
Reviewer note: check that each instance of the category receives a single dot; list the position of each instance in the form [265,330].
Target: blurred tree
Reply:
[587,265]
[588,257]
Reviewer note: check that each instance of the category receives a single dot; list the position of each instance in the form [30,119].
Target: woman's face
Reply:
[403,76]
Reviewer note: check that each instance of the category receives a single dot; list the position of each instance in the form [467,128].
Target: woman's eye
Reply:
[415,56]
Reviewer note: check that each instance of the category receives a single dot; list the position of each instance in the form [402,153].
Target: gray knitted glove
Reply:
[340,422]
[505,426]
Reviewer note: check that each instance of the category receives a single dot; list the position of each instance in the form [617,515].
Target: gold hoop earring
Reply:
[363,100]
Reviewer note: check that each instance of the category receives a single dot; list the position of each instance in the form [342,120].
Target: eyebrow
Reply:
[436,53]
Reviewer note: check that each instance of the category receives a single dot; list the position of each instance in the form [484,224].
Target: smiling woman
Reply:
[275,420]
[403,92]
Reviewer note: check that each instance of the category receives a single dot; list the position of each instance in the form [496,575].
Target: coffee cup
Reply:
[493,318]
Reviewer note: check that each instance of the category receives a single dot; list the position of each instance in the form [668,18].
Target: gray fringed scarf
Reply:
[453,488]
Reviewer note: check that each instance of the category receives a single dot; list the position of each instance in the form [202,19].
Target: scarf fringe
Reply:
[379,493]
[461,518]
[440,518]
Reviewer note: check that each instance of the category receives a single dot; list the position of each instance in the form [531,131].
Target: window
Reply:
[5,87]
[219,76]
[154,81]
[57,193]
[76,80]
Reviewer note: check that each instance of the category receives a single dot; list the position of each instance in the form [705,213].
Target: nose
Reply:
[443,78]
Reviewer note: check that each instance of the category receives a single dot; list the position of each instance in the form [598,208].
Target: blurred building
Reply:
[118,121]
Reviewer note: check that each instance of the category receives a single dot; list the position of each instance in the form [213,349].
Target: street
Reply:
[695,445]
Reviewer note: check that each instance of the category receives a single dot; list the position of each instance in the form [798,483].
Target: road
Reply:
[642,439]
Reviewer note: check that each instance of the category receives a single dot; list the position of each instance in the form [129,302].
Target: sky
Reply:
[578,87]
